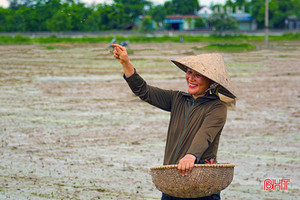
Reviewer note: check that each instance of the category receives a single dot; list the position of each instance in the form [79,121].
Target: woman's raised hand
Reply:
[121,55]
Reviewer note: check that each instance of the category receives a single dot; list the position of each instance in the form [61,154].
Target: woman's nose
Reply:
[192,77]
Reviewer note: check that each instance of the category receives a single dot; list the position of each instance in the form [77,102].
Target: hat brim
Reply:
[222,90]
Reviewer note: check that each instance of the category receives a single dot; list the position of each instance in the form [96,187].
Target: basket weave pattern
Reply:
[203,180]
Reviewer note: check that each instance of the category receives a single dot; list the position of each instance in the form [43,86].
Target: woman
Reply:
[197,117]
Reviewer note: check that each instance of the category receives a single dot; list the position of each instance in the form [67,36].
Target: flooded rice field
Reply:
[70,128]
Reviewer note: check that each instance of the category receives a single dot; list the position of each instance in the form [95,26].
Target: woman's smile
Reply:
[193,85]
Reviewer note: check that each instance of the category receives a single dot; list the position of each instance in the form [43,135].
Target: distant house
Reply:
[181,22]
[187,22]
[204,12]
[292,22]
[245,20]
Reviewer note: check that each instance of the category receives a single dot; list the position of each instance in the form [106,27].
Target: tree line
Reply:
[73,15]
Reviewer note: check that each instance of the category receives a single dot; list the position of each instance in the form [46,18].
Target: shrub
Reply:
[230,47]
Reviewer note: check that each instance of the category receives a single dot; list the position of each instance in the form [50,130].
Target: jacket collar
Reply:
[209,97]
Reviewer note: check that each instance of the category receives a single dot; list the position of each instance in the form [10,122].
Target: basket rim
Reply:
[217,165]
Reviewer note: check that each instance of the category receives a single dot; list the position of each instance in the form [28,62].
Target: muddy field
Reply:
[70,128]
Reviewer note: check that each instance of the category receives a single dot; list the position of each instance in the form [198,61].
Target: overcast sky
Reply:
[4,3]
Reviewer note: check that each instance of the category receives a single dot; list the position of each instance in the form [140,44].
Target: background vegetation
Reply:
[19,39]
[72,15]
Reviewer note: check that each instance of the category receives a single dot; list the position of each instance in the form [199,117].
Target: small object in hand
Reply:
[210,162]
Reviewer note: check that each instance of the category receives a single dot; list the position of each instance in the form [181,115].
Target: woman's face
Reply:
[197,83]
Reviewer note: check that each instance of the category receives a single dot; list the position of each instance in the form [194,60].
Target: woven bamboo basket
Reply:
[203,180]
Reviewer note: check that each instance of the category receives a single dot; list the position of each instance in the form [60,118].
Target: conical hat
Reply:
[213,67]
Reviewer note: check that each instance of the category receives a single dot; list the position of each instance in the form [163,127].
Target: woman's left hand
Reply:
[186,164]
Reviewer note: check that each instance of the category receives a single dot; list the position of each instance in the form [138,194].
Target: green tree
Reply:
[183,7]
[108,17]
[20,3]
[93,21]
[16,4]
[145,25]
[243,3]
[240,2]
[222,22]
[60,21]
[22,16]
[29,16]
[16,21]
[200,23]
[5,16]
[257,11]
[158,14]
[132,8]
[78,13]
[45,9]
[169,8]
[229,4]
[4,13]
[279,10]
[103,12]
[104,20]
[117,18]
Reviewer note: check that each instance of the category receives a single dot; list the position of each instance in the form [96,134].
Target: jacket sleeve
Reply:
[155,96]
[212,126]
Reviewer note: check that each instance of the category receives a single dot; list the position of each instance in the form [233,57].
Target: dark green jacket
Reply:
[195,124]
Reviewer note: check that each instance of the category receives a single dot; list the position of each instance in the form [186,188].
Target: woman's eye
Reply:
[198,75]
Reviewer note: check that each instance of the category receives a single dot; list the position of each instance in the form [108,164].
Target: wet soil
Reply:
[70,128]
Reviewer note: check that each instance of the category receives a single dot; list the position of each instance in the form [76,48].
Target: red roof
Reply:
[182,16]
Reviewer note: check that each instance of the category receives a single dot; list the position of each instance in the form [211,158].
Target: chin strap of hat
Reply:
[213,89]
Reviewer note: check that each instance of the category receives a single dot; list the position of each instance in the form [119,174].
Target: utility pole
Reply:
[267,23]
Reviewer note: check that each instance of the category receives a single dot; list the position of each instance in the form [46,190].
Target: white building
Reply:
[245,20]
